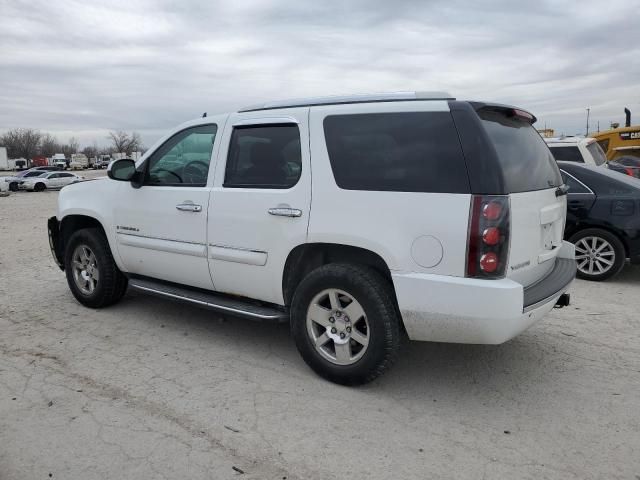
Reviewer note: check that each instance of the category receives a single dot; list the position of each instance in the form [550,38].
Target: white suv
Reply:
[577,149]
[356,219]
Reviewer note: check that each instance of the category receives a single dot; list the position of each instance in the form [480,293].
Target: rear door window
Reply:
[527,163]
[574,185]
[264,156]
[401,152]
[568,154]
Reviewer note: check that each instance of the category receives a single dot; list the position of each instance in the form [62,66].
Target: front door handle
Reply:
[189,207]
[285,212]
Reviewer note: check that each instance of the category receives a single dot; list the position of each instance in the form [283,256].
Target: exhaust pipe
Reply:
[627,114]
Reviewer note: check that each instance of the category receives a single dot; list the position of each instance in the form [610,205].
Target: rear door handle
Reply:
[189,207]
[285,212]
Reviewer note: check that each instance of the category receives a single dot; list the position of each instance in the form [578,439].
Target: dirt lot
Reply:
[153,389]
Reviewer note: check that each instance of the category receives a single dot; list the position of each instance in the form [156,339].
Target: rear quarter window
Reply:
[401,152]
[596,152]
[527,164]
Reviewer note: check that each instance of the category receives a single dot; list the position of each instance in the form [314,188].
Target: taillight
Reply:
[630,172]
[488,236]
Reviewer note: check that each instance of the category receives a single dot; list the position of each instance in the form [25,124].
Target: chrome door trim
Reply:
[247,256]
[194,249]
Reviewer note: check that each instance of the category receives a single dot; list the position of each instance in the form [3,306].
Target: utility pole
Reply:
[587,134]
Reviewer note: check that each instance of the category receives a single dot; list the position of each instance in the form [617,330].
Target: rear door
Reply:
[532,178]
[259,206]
[54,180]
[65,179]
[580,199]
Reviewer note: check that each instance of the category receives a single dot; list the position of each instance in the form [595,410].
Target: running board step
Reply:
[213,301]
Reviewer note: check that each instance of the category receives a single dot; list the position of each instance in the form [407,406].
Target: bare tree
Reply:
[125,143]
[21,142]
[91,151]
[49,145]
[70,147]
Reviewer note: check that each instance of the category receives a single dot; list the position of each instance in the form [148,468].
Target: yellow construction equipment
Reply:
[620,141]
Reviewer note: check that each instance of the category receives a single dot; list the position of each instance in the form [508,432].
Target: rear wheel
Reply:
[38,187]
[92,274]
[345,323]
[599,254]
[13,186]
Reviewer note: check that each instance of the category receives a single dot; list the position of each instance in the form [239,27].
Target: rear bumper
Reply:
[465,310]
[53,229]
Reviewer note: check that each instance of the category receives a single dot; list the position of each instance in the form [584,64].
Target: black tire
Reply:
[619,253]
[375,296]
[38,187]
[111,285]
[13,186]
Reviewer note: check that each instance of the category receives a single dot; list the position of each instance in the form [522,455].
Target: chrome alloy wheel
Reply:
[85,269]
[594,255]
[338,327]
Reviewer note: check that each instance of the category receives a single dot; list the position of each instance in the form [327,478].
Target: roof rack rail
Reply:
[348,99]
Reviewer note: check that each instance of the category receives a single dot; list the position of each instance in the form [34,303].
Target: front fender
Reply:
[93,199]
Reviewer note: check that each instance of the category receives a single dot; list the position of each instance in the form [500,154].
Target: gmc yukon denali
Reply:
[359,220]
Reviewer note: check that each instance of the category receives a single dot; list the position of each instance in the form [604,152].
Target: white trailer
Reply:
[79,161]
[4,160]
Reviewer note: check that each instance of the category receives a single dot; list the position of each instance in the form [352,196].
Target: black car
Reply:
[603,219]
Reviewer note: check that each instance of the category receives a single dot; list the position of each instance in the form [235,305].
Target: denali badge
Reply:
[521,265]
[128,229]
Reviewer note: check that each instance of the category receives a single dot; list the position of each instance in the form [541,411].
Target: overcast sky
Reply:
[82,67]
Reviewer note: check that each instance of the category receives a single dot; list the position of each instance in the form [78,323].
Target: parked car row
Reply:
[40,178]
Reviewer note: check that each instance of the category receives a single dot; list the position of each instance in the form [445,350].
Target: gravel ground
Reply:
[153,389]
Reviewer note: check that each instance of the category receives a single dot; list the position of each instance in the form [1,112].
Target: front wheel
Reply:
[345,323]
[38,187]
[599,254]
[92,274]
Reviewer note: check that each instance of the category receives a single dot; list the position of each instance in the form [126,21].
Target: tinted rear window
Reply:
[568,154]
[527,163]
[402,152]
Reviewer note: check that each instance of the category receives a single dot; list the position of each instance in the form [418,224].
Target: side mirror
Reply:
[122,170]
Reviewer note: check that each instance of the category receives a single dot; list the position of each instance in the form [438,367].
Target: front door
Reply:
[259,206]
[161,227]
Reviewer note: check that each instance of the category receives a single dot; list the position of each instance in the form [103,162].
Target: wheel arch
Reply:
[306,257]
[607,228]
[76,221]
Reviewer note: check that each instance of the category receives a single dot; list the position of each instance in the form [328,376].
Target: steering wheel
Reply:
[195,172]
[158,170]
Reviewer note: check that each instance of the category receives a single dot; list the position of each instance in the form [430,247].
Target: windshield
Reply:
[527,163]
[596,152]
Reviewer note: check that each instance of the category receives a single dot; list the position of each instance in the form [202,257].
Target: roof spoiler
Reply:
[508,110]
